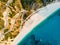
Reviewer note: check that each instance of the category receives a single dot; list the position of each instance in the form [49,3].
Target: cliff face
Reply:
[31,4]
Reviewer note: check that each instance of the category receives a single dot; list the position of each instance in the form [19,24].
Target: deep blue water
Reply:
[45,33]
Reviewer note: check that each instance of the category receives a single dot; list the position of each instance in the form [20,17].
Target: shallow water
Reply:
[46,33]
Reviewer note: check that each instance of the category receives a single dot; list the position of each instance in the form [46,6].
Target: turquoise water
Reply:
[46,33]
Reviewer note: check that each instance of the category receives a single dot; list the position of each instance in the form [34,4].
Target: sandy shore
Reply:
[35,20]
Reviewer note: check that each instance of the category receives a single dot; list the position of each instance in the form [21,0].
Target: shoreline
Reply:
[35,20]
